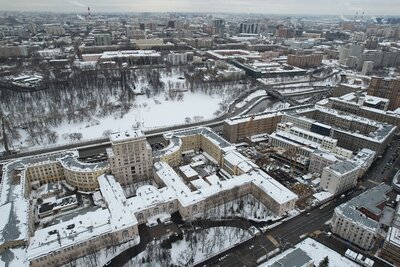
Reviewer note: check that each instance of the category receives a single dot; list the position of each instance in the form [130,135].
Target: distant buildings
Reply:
[251,27]
[102,39]
[14,51]
[349,52]
[358,219]
[305,61]
[219,25]
[54,29]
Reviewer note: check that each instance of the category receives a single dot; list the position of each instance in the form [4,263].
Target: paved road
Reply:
[286,234]
[385,167]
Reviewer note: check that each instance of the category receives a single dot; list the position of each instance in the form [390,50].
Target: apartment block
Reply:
[238,128]
[339,177]
[305,61]
[386,88]
[357,220]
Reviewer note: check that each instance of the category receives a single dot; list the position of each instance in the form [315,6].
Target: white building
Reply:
[339,177]
[367,67]
[358,219]
[177,58]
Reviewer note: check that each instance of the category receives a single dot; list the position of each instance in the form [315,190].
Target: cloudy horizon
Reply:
[312,7]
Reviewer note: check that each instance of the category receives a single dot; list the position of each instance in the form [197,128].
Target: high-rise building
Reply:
[386,88]
[102,39]
[130,157]
[219,25]
[249,27]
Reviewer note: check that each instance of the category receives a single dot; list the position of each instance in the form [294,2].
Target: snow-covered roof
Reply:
[342,167]
[129,54]
[67,233]
[368,200]
[72,163]
[112,192]
[188,171]
[125,136]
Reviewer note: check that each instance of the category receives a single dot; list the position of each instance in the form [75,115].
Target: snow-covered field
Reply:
[174,103]
[193,248]
[149,114]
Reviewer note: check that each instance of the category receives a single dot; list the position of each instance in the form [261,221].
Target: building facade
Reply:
[130,157]
[386,88]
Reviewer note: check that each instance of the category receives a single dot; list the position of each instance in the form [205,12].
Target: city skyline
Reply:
[311,7]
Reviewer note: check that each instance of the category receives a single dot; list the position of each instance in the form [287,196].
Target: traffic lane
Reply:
[384,168]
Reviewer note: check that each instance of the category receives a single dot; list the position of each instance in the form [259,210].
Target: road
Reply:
[385,167]
[286,234]
[289,232]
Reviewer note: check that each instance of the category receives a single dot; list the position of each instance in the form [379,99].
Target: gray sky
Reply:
[339,7]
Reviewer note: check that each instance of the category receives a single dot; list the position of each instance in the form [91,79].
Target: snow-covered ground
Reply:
[246,207]
[317,252]
[167,100]
[193,248]
[149,114]
[101,257]
[13,257]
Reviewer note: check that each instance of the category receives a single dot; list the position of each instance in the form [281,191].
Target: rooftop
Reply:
[368,200]
[120,137]
[343,167]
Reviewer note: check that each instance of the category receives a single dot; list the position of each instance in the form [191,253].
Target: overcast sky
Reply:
[335,7]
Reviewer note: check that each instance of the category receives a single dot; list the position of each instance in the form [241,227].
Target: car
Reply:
[329,234]
[342,196]
[308,214]
[254,231]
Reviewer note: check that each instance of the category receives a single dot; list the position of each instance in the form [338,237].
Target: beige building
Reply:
[305,61]
[238,128]
[85,234]
[130,157]
[247,178]
[82,176]
[386,88]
